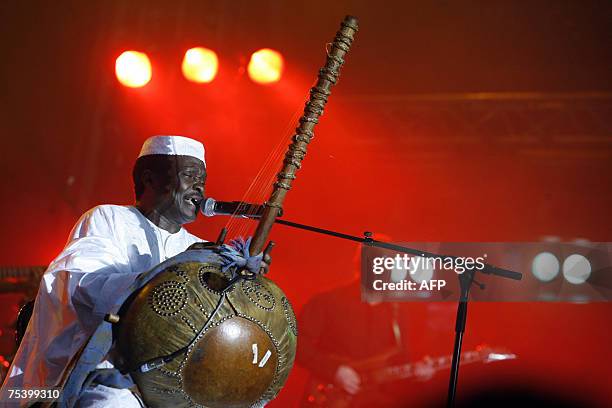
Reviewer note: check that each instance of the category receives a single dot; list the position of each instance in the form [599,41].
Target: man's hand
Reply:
[265,264]
[348,379]
[267,258]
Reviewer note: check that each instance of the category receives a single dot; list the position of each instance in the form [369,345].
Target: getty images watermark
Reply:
[411,264]
[573,272]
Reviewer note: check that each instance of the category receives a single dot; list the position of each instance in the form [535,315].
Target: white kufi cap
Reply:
[173,145]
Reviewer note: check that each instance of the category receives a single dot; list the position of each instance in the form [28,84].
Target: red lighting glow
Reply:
[266,66]
[200,65]
[133,69]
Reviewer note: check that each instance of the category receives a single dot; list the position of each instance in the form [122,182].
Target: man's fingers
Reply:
[352,381]
[353,377]
[352,387]
[348,379]
[269,248]
[267,258]
[352,390]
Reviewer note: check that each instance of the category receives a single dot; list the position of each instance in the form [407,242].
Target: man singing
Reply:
[108,248]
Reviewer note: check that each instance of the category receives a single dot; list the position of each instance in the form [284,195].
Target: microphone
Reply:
[212,207]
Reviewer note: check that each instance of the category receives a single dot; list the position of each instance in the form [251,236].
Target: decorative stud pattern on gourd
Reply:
[213,280]
[168,298]
[259,295]
[290,315]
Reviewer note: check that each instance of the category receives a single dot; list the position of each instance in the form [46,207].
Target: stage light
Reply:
[545,266]
[265,66]
[576,269]
[423,272]
[397,275]
[200,65]
[133,69]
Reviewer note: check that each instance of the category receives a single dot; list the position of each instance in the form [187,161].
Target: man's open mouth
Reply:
[194,201]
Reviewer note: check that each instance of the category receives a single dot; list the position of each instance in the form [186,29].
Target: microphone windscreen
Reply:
[208,208]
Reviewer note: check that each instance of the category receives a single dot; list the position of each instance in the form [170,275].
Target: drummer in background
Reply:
[108,248]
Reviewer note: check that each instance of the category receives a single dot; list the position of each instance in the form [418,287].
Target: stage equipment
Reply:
[198,334]
[21,279]
[576,269]
[545,266]
[200,65]
[211,207]
[133,69]
[374,372]
[265,66]
[466,280]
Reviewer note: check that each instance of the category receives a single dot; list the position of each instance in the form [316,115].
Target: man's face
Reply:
[179,201]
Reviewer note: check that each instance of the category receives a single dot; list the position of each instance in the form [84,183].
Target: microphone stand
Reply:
[466,279]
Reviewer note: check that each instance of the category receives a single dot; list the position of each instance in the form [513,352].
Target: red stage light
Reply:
[266,66]
[200,65]
[133,69]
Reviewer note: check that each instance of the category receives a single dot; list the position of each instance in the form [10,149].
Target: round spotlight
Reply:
[265,66]
[133,69]
[423,272]
[545,267]
[397,275]
[576,269]
[200,65]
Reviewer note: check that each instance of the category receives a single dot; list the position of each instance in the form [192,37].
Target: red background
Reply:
[404,147]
